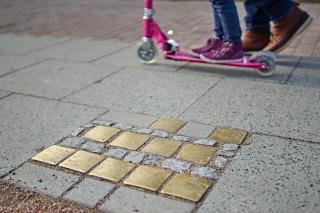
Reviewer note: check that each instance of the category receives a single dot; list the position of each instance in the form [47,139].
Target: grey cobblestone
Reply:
[74,142]
[181,138]
[77,131]
[88,125]
[153,159]
[230,147]
[123,126]
[142,130]
[205,172]
[103,122]
[226,153]
[220,162]
[207,142]
[117,153]
[135,157]
[160,133]
[176,165]
[93,147]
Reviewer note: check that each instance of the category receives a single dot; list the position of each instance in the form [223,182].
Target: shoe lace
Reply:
[225,47]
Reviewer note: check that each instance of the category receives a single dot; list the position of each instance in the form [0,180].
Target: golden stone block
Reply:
[130,140]
[112,169]
[196,153]
[168,124]
[101,133]
[229,135]
[187,187]
[162,146]
[82,161]
[54,154]
[147,177]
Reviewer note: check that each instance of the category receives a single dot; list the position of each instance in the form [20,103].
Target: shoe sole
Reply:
[221,61]
[300,30]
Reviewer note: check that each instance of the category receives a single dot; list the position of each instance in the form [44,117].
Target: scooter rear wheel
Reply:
[147,52]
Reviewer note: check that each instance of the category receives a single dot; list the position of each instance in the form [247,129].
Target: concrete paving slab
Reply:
[32,124]
[3,94]
[18,44]
[145,91]
[129,58]
[307,73]
[54,79]
[274,109]
[81,50]
[129,118]
[285,66]
[42,179]
[10,63]
[127,200]
[89,192]
[270,175]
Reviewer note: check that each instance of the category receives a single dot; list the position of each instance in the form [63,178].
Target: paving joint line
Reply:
[293,70]
[6,96]
[286,138]
[46,47]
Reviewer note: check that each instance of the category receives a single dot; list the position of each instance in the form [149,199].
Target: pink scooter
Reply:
[263,62]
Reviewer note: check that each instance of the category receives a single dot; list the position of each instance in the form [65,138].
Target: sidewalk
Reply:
[69,78]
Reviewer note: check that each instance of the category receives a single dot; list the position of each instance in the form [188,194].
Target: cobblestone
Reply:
[117,153]
[160,133]
[123,126]
[230,147]
[89,125]
[74,142]
[76,132]
[93,147]
[181,138]
[102,122]
[207,142]
[135,157]
[205,172]
[220,162]
[176,165]
[142,130]
[153,159]
[226,153]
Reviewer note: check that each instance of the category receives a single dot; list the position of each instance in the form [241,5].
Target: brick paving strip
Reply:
[104,158]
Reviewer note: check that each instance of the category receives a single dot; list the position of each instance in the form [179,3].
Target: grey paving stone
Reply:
[81,50]
[74,142]
[270,175]
[153,159]
[123,126]
[77,131]
[89,192]
[284,67]
[126,200]
[135,157]
[273,109]
[129,118]
[42,179]
[220,161]
[230,147]
[20,44]
[10,63]
[102,122]
[207,142]
[54,79]
[196,130]
[226,153]
[132,60]
[181,138]
[307,73]
[160,133]
[141,130]
[205,172]
[44,124]
[145,91]
[3,94]
[176,165]
[93,147]
[117,153]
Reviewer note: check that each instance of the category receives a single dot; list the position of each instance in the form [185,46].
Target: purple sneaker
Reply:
[229,52]
[212,44]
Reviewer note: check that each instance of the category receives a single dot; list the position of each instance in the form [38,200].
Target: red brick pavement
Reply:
[121,20]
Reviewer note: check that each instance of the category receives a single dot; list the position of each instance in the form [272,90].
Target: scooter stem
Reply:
[147,17]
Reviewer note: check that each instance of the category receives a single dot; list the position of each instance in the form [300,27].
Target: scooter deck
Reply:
[187,56]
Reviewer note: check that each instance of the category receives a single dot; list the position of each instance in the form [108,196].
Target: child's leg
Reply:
[217,26]
[231,50]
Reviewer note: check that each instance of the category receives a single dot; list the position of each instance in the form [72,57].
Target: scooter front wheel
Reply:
[268,59]
[147,52]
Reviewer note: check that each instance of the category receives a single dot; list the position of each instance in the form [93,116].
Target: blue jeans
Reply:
[261,12]
[226,20]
